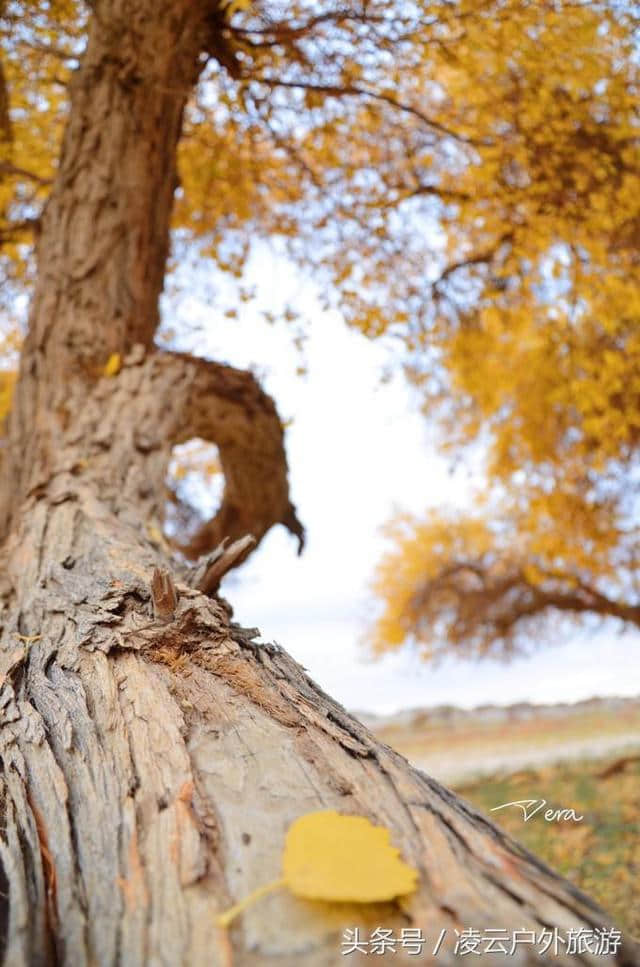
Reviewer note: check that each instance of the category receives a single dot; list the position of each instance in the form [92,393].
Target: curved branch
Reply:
[477,258]
[227,407]
[169,398]
[483,607]
[14,230]
[7,168]
[150,769]
[5,119]
[130,423]
[352,90]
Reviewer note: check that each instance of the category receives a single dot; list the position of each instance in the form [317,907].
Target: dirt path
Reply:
[456,745]
[474,765]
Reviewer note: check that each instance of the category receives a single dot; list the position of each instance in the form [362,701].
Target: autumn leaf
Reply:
[328,856]
[7,384]
[337,859]
[113,365]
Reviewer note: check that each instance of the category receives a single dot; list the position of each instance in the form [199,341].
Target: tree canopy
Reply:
[536,352]
[461,178]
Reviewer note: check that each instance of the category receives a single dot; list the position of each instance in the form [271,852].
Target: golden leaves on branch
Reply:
[535,329]
[235,6]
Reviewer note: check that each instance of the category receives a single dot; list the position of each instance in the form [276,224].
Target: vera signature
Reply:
[530,807]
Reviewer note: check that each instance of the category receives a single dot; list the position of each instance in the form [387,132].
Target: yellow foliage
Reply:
[7,384]
[532,335]
[235,6]
[343,859]
[113,365]
[503,128]
[38,49]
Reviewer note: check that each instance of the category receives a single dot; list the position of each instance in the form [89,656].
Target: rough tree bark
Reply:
[151,763]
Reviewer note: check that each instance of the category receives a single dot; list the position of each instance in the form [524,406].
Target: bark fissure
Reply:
[203,627]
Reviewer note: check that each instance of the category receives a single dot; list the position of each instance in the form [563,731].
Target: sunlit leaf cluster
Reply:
[533,344]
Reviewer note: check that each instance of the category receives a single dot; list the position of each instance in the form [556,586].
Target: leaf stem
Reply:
[224,919]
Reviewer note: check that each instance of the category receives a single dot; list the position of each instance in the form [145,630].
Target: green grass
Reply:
[601,854]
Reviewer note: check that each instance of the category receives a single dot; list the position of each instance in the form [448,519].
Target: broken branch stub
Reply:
[207,574]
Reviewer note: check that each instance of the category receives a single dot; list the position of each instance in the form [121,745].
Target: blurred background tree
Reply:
[532,343]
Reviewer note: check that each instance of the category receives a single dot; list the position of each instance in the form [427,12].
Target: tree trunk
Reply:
[152,757]
[151,767]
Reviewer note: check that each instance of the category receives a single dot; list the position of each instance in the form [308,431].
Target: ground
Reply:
[584,757]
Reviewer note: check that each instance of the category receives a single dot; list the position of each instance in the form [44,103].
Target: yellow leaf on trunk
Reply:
[328,856]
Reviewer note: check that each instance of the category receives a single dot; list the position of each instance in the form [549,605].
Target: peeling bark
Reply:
[151,755]
[152,764]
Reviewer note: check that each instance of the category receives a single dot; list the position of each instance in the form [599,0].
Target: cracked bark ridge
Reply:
[163,399]
[151,768]
[208,573]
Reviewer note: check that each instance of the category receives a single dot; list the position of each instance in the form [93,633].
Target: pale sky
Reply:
[357,450]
